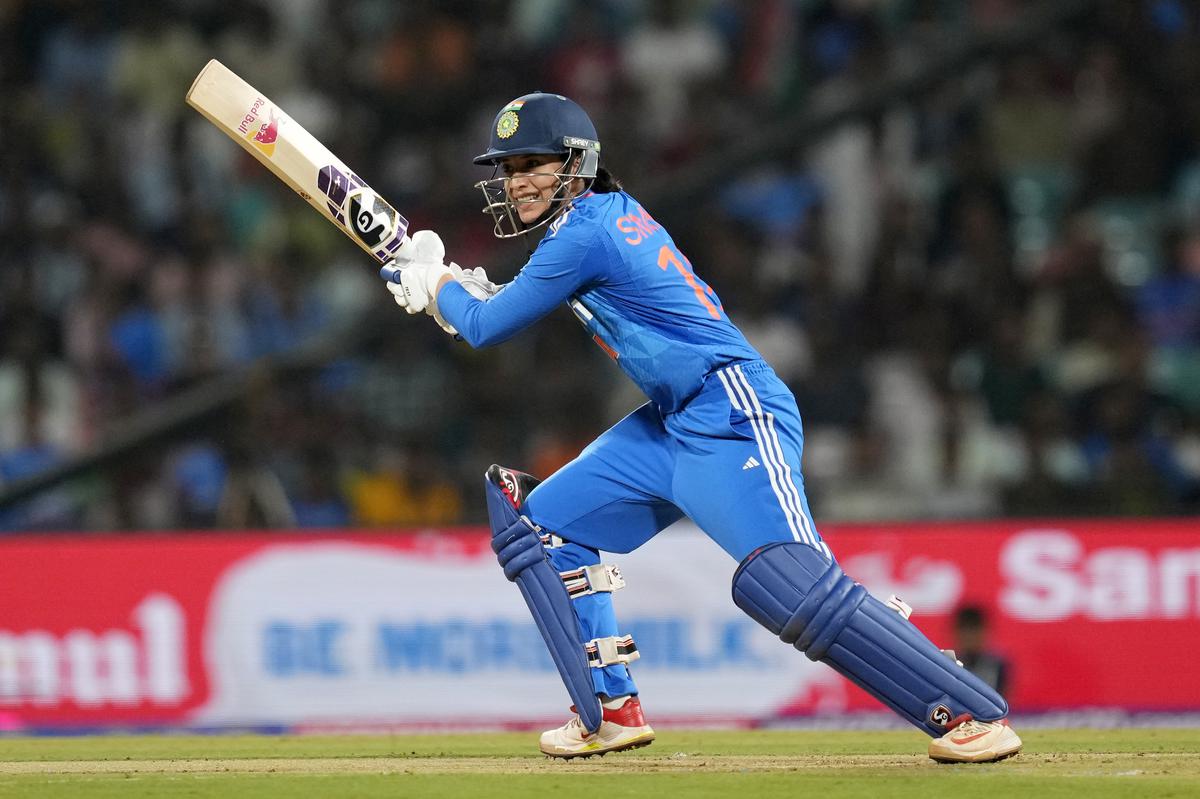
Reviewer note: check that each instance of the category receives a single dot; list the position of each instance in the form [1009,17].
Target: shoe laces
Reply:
[574,724]
[972,727]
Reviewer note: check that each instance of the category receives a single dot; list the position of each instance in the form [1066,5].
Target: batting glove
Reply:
[475,281]
[419,282]
[421,247]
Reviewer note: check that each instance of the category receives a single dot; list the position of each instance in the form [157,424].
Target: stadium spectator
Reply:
[972,647]
[984,294]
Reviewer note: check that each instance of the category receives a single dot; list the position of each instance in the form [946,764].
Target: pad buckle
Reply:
[900,606]
[549,540]
[536,528]
[611,651]
[593,579]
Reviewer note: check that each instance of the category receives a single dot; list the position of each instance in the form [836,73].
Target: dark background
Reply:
[967,234]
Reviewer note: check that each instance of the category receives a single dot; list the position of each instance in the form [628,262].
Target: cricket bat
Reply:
[299,160]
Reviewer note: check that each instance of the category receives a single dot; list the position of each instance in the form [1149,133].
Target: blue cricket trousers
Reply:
[729,460]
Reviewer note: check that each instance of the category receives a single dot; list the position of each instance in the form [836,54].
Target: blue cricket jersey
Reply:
[630,286]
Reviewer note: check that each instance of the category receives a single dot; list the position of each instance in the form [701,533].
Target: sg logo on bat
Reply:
[363,213]
[369,217]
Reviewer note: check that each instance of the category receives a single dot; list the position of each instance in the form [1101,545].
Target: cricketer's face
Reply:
[532,183]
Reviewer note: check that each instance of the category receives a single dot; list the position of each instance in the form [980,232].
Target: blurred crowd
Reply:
[986,299]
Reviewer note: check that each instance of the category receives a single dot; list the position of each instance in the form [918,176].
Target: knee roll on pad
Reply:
[518,546]
[809,602]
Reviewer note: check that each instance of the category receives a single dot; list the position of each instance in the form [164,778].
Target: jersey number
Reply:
[668,256]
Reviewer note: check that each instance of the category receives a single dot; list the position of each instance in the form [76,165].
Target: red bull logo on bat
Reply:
[268,132]
[261,134]
[264,138]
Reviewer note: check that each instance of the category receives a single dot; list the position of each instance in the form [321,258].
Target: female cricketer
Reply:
[719,441]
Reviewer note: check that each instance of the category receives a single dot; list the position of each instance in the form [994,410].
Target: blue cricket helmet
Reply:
[541,123]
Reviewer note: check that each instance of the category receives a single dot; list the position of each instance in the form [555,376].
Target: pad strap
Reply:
[609,651]
[592,579]
[900,606]
[550,540]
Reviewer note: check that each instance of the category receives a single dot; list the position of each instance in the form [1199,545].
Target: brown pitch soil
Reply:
[677,763]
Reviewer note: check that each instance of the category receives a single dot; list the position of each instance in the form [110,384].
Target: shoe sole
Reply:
[636,743]
[982,757]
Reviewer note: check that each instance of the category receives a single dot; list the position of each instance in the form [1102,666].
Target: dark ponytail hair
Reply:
[605,182]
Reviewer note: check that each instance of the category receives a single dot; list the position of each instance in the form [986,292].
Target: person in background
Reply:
[971,648]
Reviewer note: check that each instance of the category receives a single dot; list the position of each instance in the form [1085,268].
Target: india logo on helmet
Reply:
[507,124]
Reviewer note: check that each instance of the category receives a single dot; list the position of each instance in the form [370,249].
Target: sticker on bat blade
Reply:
[369,218]
[264,134]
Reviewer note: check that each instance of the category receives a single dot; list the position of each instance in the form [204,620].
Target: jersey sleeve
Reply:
[561,265]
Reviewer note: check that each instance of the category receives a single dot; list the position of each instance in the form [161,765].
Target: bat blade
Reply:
[296,157]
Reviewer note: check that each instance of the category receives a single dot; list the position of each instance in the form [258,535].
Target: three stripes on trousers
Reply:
[770,452]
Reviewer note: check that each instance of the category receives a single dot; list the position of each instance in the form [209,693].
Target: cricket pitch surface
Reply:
[1091,763]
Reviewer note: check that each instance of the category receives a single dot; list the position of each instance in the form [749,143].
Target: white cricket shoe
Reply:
[622,727]
[970,741]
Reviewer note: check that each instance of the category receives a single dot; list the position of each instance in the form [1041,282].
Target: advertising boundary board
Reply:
[371,630]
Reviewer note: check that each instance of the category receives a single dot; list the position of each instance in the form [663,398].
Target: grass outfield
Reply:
[1091,763]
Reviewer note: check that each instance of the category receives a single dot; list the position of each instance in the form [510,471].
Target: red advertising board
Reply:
[123,630]
[98,630]
[1090,614]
